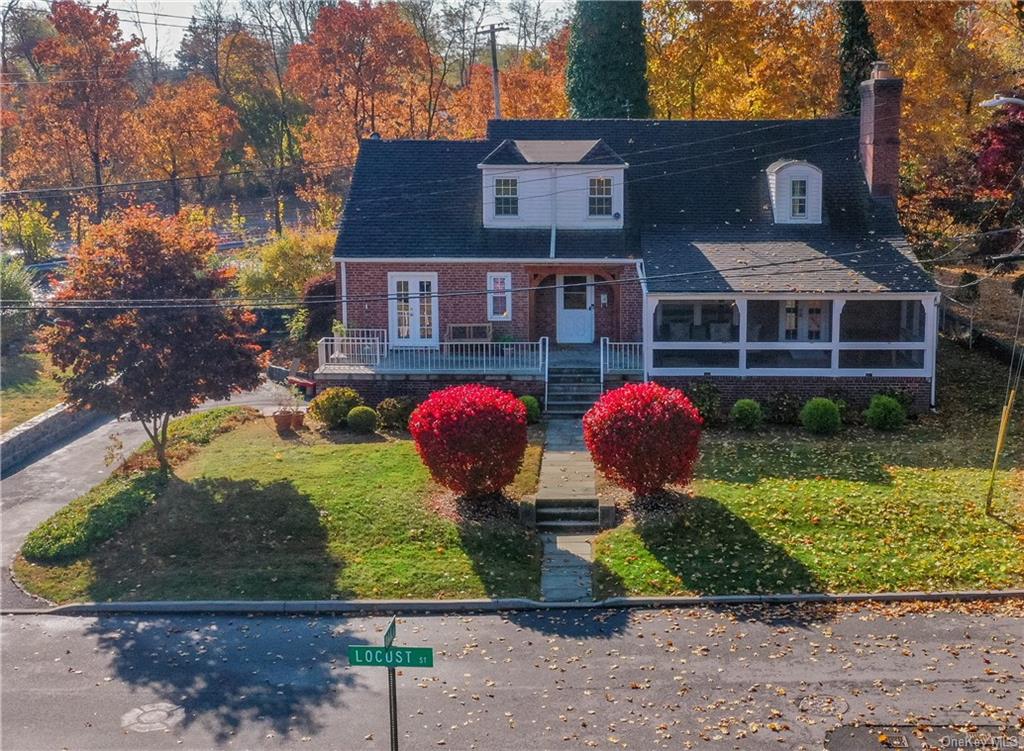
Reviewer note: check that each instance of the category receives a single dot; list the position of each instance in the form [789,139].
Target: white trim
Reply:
[506,276]
[413,277]
[527,261]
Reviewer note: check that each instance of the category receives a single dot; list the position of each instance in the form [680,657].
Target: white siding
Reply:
[561,192]
[780,179]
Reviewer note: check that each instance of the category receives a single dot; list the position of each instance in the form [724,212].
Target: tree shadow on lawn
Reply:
[711,551]
[215,538]
[748,461]
[234,675]
[18,370]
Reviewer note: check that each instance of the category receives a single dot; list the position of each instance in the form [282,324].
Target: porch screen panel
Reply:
[791,359]
[882,321]
[696,321]
[789,321]
[403,306]
[882,359]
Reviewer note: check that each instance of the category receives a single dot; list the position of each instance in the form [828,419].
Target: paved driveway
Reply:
[672,679]
[31,494]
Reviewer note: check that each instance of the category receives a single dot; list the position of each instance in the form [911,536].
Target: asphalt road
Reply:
[39,488]
[733,679]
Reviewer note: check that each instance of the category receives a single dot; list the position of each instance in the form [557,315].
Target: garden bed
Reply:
[780,511]
[257,515]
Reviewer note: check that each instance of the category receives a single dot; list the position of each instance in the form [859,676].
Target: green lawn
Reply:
[27,388]
[863,511]
[254,515]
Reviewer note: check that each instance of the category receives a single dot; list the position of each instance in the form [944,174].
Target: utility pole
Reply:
[492,32]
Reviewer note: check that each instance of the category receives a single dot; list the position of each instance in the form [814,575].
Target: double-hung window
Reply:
[506,196]
[600,196]
[499,296]
[798,199]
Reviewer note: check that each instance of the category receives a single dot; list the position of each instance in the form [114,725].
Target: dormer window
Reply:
[798,199]
[795,189]
[600,197]
[506,196]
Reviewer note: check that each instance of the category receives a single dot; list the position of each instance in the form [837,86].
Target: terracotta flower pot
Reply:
[298,419]
[283,421]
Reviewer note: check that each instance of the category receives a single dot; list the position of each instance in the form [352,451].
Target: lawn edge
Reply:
[359,607]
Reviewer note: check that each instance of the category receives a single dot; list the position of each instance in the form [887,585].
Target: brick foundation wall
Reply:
[417,387]
[856,391]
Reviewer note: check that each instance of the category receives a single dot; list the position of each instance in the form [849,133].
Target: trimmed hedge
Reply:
[393,413]
[532,408]
[821,416]
[331,406]
[885,413]
[746,414]
[362,420]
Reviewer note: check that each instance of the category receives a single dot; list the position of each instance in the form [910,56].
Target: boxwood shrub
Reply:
[532,408]
[821,416]
[885,413]
[362,419]
[331,407]
[746,414]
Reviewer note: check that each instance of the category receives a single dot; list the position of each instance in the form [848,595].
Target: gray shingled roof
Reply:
[686,179]
[677,260]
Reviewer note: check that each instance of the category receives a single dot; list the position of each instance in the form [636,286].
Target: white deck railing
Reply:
[621,357]
[351,351]
[373,353]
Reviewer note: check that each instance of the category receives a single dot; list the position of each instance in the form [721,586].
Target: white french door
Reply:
[575,309]
[412,309]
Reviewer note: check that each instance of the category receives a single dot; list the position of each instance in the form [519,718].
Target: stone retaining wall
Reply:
[24,441]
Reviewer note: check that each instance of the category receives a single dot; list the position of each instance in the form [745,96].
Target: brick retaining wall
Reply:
[24,441]
[375,387]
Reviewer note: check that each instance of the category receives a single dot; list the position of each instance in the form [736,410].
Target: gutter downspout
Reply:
[554,212]
[344,295]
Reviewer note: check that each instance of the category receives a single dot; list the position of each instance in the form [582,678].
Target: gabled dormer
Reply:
[795,189]
[563,184]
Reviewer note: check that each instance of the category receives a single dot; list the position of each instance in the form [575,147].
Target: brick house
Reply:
[759,255]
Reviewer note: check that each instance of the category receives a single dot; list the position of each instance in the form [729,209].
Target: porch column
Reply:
[648,330]
[741,305]
[837,313]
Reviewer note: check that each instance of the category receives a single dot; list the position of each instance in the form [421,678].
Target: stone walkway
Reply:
[566,478]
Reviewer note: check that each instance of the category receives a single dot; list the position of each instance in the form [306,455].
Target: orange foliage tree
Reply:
[74,128]
[152,362]
[182,130]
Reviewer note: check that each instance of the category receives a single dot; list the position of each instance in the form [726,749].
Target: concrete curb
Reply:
[371,607]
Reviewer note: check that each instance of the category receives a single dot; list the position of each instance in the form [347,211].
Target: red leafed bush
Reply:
[472,438]
[644,436]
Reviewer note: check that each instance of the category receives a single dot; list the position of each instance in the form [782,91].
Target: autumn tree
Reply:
[27,226]
[181,131]
[607,68]
[856,53]
[83,112]
[153,361]
[357,73]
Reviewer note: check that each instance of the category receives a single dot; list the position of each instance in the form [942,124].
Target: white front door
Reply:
[412,309]
[575,309]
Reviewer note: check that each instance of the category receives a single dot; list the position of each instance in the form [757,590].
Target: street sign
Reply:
[391,657]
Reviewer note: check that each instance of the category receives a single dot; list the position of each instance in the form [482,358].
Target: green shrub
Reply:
[885,413]
[903,395]
[746,414]
[393,414]
[821,416]
[333,405]
[362,419]
[532,408]
[93,518]
[707,399]
[782,408]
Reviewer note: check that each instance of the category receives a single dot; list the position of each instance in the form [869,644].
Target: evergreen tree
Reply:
[856,53]
[606,75]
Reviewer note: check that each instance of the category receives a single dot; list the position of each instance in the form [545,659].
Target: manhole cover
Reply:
[824,704]
[152,717]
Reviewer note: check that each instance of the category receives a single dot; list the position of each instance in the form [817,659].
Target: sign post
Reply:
[391,657]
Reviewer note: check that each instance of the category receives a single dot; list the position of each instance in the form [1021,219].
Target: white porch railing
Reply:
[362,353]
[621,357]
[351,351]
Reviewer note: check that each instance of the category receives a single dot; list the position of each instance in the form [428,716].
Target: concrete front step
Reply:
[564,526]
[567,513]
[572,405]
[552,499]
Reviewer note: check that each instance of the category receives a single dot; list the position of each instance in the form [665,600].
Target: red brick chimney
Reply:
[880,99]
